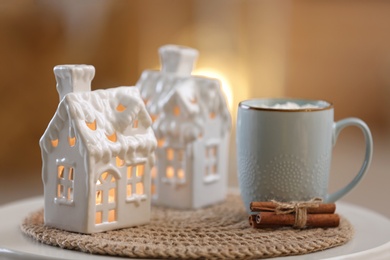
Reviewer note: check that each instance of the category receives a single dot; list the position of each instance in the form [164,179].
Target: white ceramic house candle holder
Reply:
[97,153]
[192,125]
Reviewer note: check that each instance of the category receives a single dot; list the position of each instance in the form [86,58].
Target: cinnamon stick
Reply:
[252,221]
[265,206]
[270,219]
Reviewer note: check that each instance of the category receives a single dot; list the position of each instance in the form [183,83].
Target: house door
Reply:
[106,198]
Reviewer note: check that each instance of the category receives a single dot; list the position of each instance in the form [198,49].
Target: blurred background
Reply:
[333,50]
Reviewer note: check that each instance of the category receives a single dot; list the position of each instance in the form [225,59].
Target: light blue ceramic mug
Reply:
[285,154]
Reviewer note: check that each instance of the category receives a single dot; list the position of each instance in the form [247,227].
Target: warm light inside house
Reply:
[129,172]
[54,143]
[60,190]
[72,141]
[99,194]
[98,217]
[170,172]
[112,137]
[111,195]
[71,174]
[160,142]
[70,194]
[139,188]
[92,125]
[120,108]
[226,88]
[60,170]
[111,215]
[119,162]
[180,174]
[153,117]
[170,154]
[153,173]
[140,170]
[176,111]
[129,190]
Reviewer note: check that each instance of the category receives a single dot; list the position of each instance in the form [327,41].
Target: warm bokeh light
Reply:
[226,88]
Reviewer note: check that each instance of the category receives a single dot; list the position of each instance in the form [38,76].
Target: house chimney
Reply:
[73,78]
[178,60]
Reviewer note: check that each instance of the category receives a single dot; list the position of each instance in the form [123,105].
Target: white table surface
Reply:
[371,239]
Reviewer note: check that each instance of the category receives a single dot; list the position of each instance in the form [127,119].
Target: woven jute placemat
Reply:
[221,231]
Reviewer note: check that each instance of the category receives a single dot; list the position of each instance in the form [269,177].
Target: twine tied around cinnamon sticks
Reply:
[297,207]
[298,214]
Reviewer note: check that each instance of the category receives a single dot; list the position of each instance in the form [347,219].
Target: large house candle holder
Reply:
[191,121]
[97,153]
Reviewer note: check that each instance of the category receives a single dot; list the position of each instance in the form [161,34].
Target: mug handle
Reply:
[337,127]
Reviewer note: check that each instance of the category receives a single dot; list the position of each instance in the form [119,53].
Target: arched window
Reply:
[106,198]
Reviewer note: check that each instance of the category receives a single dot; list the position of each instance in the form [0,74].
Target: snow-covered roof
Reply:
[110,122]
[196,96]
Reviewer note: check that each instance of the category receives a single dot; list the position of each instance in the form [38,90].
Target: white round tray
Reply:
[371,239]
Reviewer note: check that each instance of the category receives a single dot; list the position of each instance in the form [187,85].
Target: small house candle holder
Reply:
[97,153]
[191,121]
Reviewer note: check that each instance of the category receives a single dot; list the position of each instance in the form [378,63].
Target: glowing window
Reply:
[70,193]
[120,108]
[104,176]
[129,191]
[70,175]
[60,191]
[129,172]
[139,188]
[170,154]
[71,141]
[112,215]
[98,217]
[174,171]
[176,110]
[119,162]
[140,170]
[112,137]
[106,198]
[54,143]
[111,195]
[153,173]
[135,189]
[91,125]
[170,172]
[65,184]
[180,173]
[99,194]
[154,118]
[160,142]
[60,170]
